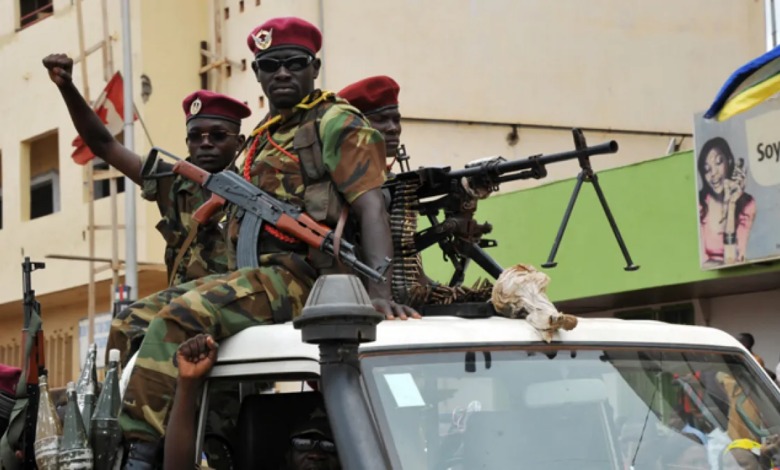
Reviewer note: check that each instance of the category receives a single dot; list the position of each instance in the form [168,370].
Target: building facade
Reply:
[496,77]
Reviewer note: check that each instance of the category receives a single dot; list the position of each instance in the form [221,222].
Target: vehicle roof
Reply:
[273,342]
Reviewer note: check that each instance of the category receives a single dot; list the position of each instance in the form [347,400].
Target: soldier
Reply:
[213,124]
[312,149]
[377,98]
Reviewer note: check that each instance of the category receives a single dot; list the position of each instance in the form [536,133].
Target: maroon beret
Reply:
[9,378]
[285,32]
[207,104]
[373,94]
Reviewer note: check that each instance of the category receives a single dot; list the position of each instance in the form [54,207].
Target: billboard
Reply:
[102,327]
[737,163]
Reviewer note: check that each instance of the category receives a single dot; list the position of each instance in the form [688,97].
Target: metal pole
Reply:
[774,22]
[90,185]
[131,259]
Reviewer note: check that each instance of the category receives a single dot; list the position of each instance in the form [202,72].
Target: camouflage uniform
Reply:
[177,198]
[353,154]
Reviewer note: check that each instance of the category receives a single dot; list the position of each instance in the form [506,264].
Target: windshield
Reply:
[567,409]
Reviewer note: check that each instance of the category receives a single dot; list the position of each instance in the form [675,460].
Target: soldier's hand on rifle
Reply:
[60,68]
[196,357]
[393,310]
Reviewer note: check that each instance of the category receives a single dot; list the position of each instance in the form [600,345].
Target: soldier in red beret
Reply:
[377,98]
[312,149]
[213,123]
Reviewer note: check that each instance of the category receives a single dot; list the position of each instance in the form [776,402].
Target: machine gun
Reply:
[428,191]
[257,207]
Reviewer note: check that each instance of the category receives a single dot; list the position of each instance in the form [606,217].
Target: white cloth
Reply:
[717,441]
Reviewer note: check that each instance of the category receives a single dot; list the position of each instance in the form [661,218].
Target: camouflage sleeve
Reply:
[352,151]
[150,189]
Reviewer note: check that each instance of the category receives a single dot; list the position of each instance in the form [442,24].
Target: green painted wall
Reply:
[654,204]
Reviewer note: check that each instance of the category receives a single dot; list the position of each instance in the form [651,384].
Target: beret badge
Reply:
[196,106]
[263,39]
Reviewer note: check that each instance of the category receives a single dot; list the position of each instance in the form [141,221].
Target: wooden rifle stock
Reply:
[190,171]
[198,175]
[204,212]
[308,231]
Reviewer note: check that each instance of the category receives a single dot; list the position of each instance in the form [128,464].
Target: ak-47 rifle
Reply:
[36,358]
[456,194]
[257,207]
[21,428]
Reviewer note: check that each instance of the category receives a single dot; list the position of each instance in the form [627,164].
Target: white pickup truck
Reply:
[453,393]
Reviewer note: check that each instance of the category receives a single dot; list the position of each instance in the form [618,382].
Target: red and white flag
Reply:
[110,108]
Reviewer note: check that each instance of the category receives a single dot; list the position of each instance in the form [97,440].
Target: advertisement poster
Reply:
[738,187]
[102,327]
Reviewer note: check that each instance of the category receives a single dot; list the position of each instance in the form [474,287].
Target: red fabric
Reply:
[286,31]
[372,93]
[9,377]
[216,104]
[111,110]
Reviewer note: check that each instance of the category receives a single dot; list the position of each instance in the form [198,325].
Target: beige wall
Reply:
[30,105]
[608,64]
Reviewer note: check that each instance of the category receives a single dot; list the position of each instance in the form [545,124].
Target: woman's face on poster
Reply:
[715,170]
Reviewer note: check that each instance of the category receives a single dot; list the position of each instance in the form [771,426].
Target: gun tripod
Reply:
[587,175]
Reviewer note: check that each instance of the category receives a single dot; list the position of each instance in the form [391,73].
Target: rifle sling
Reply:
[11,441]
[184,247]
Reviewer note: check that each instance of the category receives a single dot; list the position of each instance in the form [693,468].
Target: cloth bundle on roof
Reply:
[750,85]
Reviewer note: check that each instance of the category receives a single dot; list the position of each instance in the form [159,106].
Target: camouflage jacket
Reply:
[352,152]
[178,198]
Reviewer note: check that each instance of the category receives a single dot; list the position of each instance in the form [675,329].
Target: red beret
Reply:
[373,94]
[207,104]
[285,32]
[9,377]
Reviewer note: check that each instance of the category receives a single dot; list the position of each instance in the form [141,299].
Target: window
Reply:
[252,412]
[42,170]
[680,314]
[33,11]
[45,194]
[613,408]
[103,187]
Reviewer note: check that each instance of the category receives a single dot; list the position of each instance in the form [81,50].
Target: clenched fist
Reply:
[196,357]
[60,68]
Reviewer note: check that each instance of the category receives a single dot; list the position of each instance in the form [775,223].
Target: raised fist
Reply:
[60,68]
[196,357]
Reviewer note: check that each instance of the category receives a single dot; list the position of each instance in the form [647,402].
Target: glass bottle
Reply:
[48,430]
[105,433]
[87,382]
[75,452]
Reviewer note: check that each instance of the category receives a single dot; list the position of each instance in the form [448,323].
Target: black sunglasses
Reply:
[293,64]
[216,137]
[305,444]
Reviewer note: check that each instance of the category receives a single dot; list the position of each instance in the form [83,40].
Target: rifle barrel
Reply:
[528,163]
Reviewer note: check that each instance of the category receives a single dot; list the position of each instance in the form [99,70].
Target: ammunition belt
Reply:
[420,295]
[403,225]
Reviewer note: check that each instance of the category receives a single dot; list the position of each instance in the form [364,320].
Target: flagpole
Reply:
[131,258]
